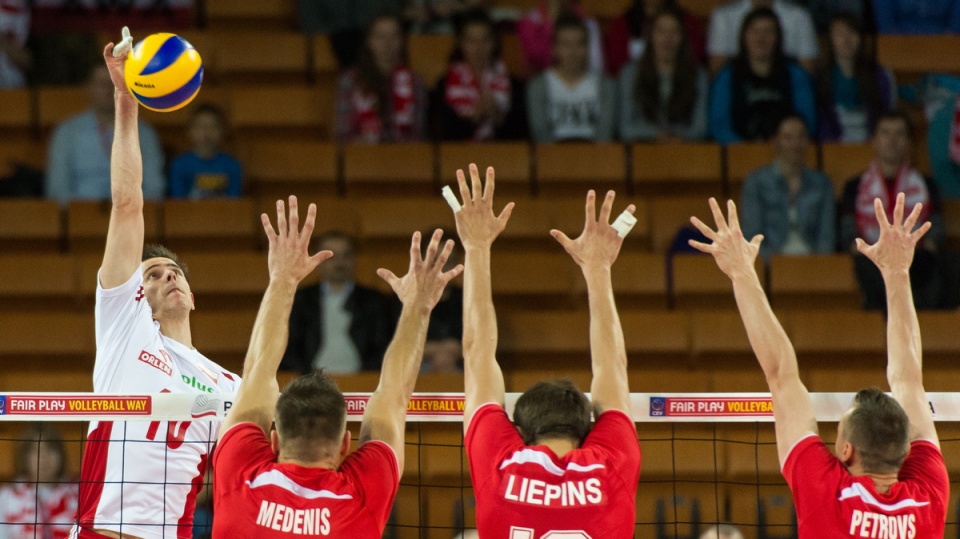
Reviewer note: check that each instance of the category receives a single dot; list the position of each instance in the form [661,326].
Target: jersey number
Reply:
[527,533]
[176,432]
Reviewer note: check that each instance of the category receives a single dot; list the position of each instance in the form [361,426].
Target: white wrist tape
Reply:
[451,199]
[624,224]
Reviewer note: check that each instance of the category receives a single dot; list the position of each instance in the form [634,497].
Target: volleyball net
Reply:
[708,458]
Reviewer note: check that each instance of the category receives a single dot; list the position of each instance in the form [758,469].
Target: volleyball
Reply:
[163,72]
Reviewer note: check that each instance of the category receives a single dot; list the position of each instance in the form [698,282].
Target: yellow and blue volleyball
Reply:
[163,72]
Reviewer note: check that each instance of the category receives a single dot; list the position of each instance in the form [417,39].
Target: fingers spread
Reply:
[294,223]
[702,247]
[388,276]
[703,228]
[444,255]
[505,214]
[488,188]
[475,181]
[309,224]
[881,215]
[920,232]
[606,208]
[415,258]
[757,240]
[591,209]
[268,228]
[320,257]
[464,190]
[452,274]
[718,216]
[732,215]
[281,220]
[561,238]
[898,210]
[861,245]
[913,217]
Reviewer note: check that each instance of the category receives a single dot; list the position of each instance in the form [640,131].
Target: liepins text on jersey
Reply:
[285,519]
[566,494]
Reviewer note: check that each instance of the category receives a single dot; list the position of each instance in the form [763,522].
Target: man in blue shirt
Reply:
[206,171]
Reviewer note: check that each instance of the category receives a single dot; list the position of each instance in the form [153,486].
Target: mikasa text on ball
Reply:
[163,72]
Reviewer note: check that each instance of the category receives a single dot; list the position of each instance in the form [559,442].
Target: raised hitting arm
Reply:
[792,407]
[124,248]
[595,251]
[419,291]
[478,227]
[893,254]
[288,262]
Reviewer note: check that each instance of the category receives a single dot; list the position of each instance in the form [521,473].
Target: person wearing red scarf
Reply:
[889,174]
[381,99]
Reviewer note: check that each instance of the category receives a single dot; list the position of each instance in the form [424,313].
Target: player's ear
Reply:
[345,443]
[847,454]
[193,302]
[275,441]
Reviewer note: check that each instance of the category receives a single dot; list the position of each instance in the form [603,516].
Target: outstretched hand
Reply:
[599,244]
[732,252]
[115,63]
[425,280]
[893,252]
[288,259]
[476,223]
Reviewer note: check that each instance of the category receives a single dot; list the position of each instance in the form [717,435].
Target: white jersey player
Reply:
[138,478]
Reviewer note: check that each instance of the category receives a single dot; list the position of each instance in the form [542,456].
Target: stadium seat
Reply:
[669,214]
[16,114]
[72,378]
[511,160]
[513,56]
[844,161]
[823,281]
[219,224]
[429,55]
[531,221]
[61,334]
[21,151]
[294,110]
[698,282]
[939,330]
[546,279]
[676,509]
[257,55]
[277,168]
[250,14]
[579,166]
[32,225]
[231,275]
[656,333]
[837,333]
[439,508]
[57,103]
[912,55]
[639,280]
[223,334]
[46,277]
[764,511]
[395,168]
[87,223]
[390,222]
[605,9]
[720,333]
[322,58]
[951,221]
[750,450]
[525,334]
[442,459]
[520,380]
[676,168]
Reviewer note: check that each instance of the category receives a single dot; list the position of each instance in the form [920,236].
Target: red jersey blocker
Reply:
[527,492]
[833,504]
[257,494]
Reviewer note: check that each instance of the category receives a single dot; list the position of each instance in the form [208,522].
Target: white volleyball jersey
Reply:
[141,478]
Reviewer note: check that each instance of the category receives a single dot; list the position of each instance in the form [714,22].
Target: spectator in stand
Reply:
[917,16]
[437,16]
[760,86]
[535,32]
[337,325]
[78,161]
[344,22]
[15,59]
[823,12]
[799,38]
[381,99]
[628,33]
[570,101]
[943,143]
[886,176]
[206,171]
[477,99]
[788,202]
[722,531]
[42,499]
[852,89]
[663,96]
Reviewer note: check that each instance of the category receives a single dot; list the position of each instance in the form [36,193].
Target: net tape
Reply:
[424,407]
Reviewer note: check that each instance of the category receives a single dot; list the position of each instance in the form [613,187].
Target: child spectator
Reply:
[760,86]
[477,99]
[535,32]
[570,101]
[381,99]
[206,171]
[628,33]
[852,89]
[663,96]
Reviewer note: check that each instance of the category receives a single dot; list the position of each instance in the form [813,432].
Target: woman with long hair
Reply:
[663,95]
[760,86]
[852,88]
[477,99]
[628,34]
[381,99]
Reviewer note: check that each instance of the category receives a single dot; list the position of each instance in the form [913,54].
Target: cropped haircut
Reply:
[155,250]
[310,416]
[335,234]
[878,429]
[896,115]
[554,409]
[29,447]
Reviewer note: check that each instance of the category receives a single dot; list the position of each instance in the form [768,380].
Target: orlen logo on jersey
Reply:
[157,363]
[192,382]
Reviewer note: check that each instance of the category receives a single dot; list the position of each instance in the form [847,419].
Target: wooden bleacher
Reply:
[576,167]
[676,168]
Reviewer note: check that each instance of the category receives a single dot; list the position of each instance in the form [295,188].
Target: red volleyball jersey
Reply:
[254,496]
[527,492]
[832,504]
